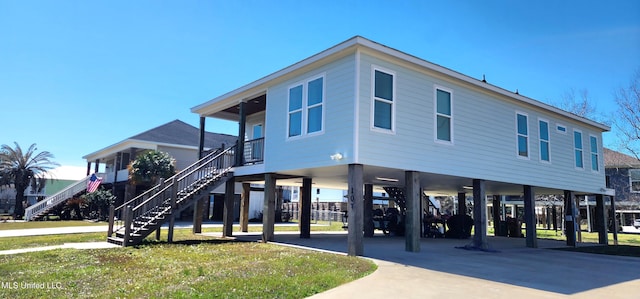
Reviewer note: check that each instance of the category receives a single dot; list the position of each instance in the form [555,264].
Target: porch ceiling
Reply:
[252,106]
[336,177]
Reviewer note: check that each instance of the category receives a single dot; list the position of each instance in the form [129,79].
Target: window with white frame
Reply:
[593,142]
[543,128]
[522,127]
[634,180]
[306,107]
[577,145]
[383,98]
[444,115]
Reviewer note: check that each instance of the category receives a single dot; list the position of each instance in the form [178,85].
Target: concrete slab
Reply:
[510,270]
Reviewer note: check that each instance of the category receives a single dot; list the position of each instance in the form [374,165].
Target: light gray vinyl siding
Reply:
[184,157]
[283,153]
[484,135]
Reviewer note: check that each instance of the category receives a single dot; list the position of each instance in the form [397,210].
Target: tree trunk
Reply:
[18,210]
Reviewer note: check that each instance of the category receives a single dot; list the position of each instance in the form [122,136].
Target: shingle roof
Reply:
[181,133]
[618,159]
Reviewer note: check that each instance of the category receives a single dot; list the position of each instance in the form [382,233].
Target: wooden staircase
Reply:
[133,221]
[43,207]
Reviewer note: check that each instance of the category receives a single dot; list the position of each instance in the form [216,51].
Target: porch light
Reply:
[336,156]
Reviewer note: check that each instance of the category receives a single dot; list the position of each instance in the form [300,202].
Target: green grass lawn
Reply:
[181,233]
[207,268]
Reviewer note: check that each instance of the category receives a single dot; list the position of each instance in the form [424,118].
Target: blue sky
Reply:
[77,76]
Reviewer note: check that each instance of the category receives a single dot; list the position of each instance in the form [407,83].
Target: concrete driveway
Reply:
[510,270]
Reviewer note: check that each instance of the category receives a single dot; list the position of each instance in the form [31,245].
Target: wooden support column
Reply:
[412,219]
[305,208]
[202,132]
[241,135]
[462,203]
[479,215]
[88,168]
[268,213]
[601,220]
[244,207]
[96,166]
[496,216]
[198,211]
[172,217]
[530,217]
[355,246]
[614,219]
[368,211]
[227,214]
[569,218]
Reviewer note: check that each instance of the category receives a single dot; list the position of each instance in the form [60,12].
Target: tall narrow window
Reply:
[443,115]
[577,145]
[314,106]
[544,140]
[593,141]
[383,93]
[306,102]
[295,111]
[522,135]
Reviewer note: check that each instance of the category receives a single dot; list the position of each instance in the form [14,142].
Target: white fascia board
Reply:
[119,147]
[260,86]
[448,72]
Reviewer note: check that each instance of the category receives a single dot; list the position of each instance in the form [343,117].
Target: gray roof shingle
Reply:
[181,133]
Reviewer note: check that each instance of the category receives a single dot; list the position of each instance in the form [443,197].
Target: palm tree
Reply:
[21,167]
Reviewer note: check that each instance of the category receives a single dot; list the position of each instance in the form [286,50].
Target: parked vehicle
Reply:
[636,223]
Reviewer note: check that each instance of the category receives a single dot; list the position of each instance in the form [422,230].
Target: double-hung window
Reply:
[522,127]
[634,180]
[543,127]
[306,102]
[444,115]
[593,142]
[383,99]
[577,145]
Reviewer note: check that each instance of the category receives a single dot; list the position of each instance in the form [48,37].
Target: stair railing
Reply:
[155,203]
[55,199]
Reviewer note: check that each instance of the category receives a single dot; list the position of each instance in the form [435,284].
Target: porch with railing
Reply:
[253,151]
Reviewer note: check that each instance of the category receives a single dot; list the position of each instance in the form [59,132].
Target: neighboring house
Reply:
[361,115]
[623,175]
[177,138]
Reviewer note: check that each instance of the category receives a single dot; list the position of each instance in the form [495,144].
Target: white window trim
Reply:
[573,136]
[305,107]
[631,181]
[528,157]
[548,141]
[435,114]
[394,101]
[597,153]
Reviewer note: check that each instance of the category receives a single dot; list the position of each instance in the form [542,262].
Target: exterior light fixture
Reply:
[336,156]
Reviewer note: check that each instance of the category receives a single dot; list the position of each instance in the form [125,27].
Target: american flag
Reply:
[94,183]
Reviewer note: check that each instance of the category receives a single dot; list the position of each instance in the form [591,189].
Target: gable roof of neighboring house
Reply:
[352,45]
[175,133]
[613,159]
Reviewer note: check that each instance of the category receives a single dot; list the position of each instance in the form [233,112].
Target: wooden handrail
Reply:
[55,199]
[166,194]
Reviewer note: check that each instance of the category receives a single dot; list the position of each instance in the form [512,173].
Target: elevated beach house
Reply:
[364,117]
